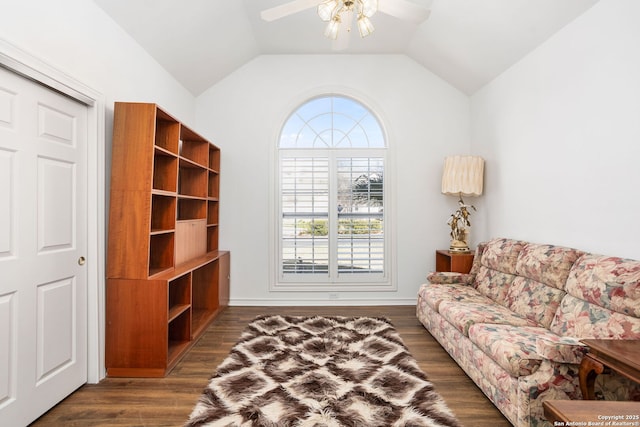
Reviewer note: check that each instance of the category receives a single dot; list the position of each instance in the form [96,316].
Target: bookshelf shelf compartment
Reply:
[191,209]
[205,294]
[165,171]
[213,213]
[194,147]
[166,278]
[161,249]
[192,180]
[163,213]
[214,160]
[167,131]
[213,185]
[179,295]
[212,238]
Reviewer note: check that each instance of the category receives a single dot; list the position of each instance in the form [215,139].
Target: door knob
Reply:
[81,260]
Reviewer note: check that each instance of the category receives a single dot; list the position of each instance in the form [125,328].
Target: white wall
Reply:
[425,119]
[78,38]
[560,131]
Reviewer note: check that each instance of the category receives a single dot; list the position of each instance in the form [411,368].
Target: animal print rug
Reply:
[320,371]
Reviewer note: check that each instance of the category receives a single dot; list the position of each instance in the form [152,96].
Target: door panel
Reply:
[8,335]
[43,233]
[56,342]
[56,192]
[7,203]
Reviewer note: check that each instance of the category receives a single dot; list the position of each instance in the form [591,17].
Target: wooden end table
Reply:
[620,356]
[453,262]
[598,413]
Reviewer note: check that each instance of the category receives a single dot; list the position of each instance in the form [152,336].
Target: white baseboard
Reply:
[319,302]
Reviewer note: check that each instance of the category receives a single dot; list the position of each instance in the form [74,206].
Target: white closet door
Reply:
[43,242]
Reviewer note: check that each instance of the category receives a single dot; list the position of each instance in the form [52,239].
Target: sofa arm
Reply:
[442,277]
[561,349]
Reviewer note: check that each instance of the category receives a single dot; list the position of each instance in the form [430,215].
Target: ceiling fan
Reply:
[340,13]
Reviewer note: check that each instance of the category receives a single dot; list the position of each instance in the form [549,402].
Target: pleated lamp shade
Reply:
[462,175]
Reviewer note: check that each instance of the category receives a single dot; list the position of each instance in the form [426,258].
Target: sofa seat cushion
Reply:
[435,294]
[464,315]
[520,349]
[513,348]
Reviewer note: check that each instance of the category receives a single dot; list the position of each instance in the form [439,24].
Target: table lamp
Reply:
[462,176]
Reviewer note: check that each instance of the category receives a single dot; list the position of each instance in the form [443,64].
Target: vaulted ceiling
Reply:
[465,42]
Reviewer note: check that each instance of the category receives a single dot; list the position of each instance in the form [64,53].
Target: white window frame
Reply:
[334,281]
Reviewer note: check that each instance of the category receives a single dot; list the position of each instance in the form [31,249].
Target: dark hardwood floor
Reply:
[169,401]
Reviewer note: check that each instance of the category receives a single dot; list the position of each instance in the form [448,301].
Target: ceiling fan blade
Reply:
[404,9]
[287,9]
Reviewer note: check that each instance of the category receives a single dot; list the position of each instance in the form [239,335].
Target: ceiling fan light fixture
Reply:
[331,31]
[368,7]
[340,14]
[336,12]
[327,9]
[365,27]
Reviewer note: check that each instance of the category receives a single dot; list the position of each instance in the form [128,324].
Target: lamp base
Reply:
[459,250]
[459,247]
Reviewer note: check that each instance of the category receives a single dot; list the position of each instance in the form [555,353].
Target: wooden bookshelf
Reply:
[166,278]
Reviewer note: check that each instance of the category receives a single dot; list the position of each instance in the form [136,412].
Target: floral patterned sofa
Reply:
[514,323]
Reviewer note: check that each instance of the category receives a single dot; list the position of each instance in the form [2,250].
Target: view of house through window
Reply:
[332,156]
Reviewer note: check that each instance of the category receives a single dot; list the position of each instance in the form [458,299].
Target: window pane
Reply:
[360,185]
[349,107]
[373,131]
[305,245]
[290,131]
[332,122]
[314,107]
[332,203]
[360,215]
[305,215]
[361,244]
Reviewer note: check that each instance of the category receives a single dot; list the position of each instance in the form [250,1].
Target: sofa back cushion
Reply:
[477,259]
[534,300]
[580,319]
[494,284]
[498,268]
[542,272]
[502,255]
[547,264]
[602,301]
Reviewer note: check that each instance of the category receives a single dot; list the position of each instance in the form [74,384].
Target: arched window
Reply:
[332,122]
[332,195]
